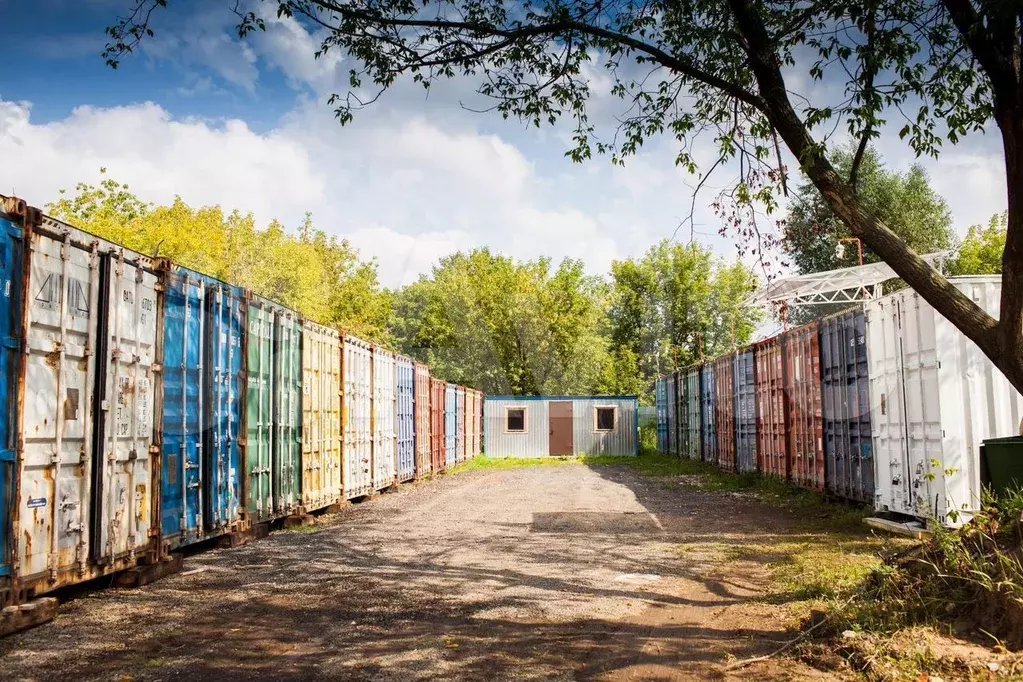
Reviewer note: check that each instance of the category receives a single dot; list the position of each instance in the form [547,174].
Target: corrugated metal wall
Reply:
[405,417]
[357,418]
[470,427]
[661,404]
[384,436]
[438,422]
[691,446]
[450,425]
[12,253]
[670,390]
[422,426]
[803,389]
[772,409]
[708,414]
[322,471]
[849,466]
[460,422]
[535,441]
[724,410]
[745,412]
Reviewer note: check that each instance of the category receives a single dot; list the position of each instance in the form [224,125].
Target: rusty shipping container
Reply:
[384,435]
[357,418]
[772,409]
[745,413]
[845,375]
[470,428]
[422,408]
[322,470]
[438,423]
[89,418]
[460,422]
[724,410]
[12,259]
[803,390]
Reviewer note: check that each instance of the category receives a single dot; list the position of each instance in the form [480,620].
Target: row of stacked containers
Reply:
[884,405]
[148,407]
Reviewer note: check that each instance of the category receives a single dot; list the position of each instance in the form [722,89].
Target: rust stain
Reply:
[53,359]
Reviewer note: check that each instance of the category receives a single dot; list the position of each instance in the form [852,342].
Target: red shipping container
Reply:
[422,408]
[724,410]
[438,389]
[772,409]
[805,413]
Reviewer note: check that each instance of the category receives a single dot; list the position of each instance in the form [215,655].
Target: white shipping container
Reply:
[934,397]
[321,416]
[357,419]
[385,442]
[87,425]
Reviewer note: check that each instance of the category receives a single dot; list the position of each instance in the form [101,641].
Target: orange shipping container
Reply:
[438,388]
[805,415]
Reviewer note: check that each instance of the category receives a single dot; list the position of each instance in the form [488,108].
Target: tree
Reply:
[728,67]
[981,251]
[318,276]
[904,201]
[677,303]
[487,321]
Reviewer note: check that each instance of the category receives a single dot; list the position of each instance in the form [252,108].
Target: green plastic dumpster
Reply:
[1001,463]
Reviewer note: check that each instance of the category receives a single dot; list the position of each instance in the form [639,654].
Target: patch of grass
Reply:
[311,528]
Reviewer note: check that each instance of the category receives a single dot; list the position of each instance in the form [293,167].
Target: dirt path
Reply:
[557,573]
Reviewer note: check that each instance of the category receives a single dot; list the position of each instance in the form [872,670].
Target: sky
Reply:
[214,119]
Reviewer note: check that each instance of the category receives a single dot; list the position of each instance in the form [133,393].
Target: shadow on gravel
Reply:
[340,604]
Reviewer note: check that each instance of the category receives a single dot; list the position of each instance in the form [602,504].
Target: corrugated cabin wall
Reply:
[535,438]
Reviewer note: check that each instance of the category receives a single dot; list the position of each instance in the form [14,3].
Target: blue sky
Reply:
[245,124]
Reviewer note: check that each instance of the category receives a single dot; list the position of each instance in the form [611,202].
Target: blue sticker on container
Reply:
[34,502]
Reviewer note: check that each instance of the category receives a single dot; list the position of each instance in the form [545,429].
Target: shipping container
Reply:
[405,418]
[934,397]
[661,405]
[450,426]
[273,411]
[724,410]
[470,429]
[12,253]
[691,447]
[324,448]
[845,388]
[560,426]
[438,425]
[673,415]
[88,423]
[772,409]
[357,418]
[422,426]
[805,413]
[460,437]
[478,418]
[384,436]
[204,386]
[745,412]
[708,413]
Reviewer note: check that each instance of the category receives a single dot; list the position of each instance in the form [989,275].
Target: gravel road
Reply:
[554,573]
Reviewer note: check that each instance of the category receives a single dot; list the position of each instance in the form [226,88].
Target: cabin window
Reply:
[606,418]
[515,420]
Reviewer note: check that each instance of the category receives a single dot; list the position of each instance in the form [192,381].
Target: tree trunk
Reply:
[1002,344]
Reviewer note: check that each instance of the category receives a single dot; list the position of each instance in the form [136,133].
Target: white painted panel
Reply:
[357,418]
[384,436]
[935,397]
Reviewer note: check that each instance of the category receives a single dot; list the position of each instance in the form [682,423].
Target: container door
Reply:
[450,425]
[57,433]
[124,432]
[887,396]
[357,420]
[224,377]
[11,274]
[259,413]
[560,417]
[287,417]
[183,407]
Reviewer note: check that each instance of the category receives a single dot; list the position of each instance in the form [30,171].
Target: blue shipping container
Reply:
[708,403]
[12,253]
[661,404]
[450,425]
[849,468]
[405,418]
[204,324]
[670,391]
[745,413]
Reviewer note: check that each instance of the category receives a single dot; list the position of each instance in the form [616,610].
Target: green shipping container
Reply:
[273,443]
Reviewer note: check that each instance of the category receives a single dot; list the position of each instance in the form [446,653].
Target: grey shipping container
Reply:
[357,418]
[691,446]
[745,412]
[405,417]
[845,379]
[661,405]
[541,426]
[384,437]
[673,415]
